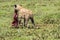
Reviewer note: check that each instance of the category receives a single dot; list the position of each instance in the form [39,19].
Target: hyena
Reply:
[25,14]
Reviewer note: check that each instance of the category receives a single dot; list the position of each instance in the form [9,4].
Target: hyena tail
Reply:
[32,20]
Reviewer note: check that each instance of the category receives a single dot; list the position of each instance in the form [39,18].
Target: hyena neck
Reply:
[20,7]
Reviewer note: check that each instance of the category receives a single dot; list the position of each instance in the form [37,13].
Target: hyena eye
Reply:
[15,6]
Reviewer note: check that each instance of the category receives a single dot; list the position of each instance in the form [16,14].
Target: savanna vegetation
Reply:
[46,15]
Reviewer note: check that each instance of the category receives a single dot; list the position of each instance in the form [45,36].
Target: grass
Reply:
[46,15]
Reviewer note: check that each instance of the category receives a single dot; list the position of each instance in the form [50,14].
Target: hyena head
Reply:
[17,7]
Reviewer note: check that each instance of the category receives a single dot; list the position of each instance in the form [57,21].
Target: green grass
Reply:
[46,15]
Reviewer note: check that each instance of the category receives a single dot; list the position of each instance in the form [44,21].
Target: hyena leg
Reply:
[32,20]
[19,21]
[26,21]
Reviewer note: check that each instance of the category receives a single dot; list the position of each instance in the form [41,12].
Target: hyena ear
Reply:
[20,5]
[15,5]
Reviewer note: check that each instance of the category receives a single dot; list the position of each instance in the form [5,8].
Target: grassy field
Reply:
[46,15]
